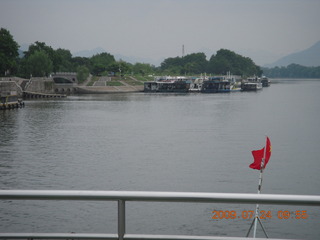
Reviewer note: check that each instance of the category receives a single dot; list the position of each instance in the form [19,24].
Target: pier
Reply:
[28,95]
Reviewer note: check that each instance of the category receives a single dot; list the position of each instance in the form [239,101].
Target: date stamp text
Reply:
[249,214]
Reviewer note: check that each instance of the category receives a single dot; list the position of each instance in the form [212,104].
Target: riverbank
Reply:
[108,89]
[104,84]
[93,85]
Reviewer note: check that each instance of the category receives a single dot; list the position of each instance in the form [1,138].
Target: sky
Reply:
[152,30]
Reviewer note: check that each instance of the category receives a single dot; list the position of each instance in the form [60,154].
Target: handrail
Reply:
[122,196]
[242,198]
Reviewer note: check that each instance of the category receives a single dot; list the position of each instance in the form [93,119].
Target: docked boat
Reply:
[10,101]
[220,84]
[211,85]
[235,82]
[167,84]
[196,84]
[251,84]
[265,82]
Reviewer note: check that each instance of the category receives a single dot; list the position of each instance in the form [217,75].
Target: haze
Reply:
[151,30]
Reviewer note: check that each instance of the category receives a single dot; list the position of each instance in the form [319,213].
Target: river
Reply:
[162,142]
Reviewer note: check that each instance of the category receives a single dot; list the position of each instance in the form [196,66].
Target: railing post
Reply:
[121,219]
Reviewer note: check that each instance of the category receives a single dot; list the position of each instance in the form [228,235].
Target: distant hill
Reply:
[309,57]
[133,60]
[89,53]
[23,48]
[130,59]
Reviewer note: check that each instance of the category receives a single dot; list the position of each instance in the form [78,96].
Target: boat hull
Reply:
[251,86]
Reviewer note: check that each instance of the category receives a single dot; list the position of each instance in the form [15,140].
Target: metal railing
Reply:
[123,196]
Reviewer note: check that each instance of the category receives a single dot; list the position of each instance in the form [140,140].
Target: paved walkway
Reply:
[100,86]
[102,81]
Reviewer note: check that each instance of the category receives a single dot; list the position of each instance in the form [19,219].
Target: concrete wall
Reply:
[40,85]
[65,88]
[10,88]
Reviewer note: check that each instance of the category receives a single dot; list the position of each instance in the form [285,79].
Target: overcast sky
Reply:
[263,30]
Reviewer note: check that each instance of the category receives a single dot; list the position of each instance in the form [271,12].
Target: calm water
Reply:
[162,142]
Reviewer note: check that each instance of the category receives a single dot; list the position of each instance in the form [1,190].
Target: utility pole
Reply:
[182,50]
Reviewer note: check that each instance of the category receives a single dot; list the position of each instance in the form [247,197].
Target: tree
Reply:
[226,60]
[143,68]
[292,71]
[194,63]
[8,53]
[82,73]
[80,61]
[63,60]
[119,67]
[98,69]
[39,64]
[42,47]
[125,67]
[171,62]
[102,58]
[100,62]
[39,46]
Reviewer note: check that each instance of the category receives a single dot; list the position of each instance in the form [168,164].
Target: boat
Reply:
[235,82]
[251,84]
[196,84]
[220,84]
[211,85]
[10,101]
[167,84]
[265,81]
[216,85]
[174,86]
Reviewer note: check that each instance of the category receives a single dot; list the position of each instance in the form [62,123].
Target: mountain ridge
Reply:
[309,57]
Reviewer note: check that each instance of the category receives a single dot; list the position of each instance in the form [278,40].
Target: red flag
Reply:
[258,155]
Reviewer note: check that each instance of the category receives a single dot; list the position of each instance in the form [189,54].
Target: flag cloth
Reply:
[258,155]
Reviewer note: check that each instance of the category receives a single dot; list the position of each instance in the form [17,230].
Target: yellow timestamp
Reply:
[249,214]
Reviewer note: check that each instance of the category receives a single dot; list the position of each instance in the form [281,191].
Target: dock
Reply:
[28,95]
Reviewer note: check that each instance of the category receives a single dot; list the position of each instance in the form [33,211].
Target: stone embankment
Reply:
[19,86]
[49,86]
[108,89]
[9,86]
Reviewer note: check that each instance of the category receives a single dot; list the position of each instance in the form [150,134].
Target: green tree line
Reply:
[292,71]
[224,61]
[41,60]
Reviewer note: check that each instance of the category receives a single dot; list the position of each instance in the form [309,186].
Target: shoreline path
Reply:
[100,86]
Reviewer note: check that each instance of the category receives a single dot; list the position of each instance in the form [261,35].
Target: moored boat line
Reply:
[204,84]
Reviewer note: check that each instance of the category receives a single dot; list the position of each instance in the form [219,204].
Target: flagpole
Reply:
[259,188]
[257,206]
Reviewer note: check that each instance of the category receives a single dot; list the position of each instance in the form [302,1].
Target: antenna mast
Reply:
[182,50]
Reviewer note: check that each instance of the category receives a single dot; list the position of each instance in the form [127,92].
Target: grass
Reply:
[132,82]
[118,81]
[143,78]
[93,79]
[114,83]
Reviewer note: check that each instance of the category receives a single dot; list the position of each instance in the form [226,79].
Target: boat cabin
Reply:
[9,101]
